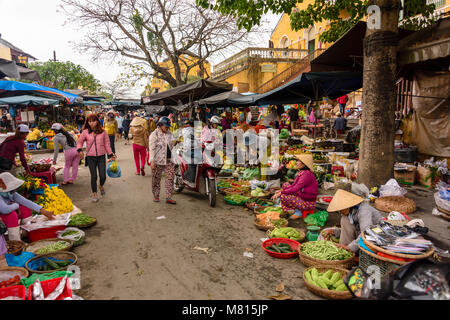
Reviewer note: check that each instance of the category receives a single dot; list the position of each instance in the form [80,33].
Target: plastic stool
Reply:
[305,213]
[50,175]
[31,146]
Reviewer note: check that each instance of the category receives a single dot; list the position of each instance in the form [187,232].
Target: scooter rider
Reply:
[192,151]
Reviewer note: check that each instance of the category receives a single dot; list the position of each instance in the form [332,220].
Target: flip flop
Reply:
[156,200]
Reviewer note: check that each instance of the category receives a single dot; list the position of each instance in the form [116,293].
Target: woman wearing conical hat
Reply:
[356,217]
[301,195]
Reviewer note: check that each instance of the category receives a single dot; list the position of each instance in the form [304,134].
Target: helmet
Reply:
[216,120]
[164,121]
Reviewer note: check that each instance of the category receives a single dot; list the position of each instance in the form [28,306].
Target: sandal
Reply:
[156,200]
[64,183]
[95,199]
[170,201]
[143,172]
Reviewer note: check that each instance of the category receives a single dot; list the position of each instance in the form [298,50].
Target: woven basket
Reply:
[56,255]
[367,259]
[22,271]
[268,228]
[40,167]
[266,195]
[30,246]
[231,191]
[84,226]
[312,262]
[395,203]
[15,247]
[302,235]
[376,248]
[325,293]
[443,211]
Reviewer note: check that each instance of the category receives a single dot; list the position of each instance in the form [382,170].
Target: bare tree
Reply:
[149,32]
[115,90]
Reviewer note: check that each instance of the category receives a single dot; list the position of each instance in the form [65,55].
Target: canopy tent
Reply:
[220,100]
[125,104]
[12,70]
[188,93]
[165,110]
[27,100]
[14,88]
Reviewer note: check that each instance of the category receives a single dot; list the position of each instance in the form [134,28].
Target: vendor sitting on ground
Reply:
[13,204]
[301,195]
[356,217]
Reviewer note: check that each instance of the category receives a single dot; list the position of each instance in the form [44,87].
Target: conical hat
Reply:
[307,160]
[343,200]
[137,122]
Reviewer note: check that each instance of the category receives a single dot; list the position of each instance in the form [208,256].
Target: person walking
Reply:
[140,143]
[126,128]
[80,120]
[120,126]
[160,148]
[111,127]
[293,117]
[10,147]
[72,158]
[340,124]
[342,103]
[97,146]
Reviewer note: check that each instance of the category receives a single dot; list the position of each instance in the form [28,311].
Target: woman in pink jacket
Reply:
[97,146]
[301,195]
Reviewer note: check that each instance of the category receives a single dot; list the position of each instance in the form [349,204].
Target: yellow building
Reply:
[158,85]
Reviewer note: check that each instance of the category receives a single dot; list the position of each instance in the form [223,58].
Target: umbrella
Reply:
[15,88]
[187,93]
[27,100]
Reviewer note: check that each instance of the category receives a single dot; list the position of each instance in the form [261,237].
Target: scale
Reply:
[313,233]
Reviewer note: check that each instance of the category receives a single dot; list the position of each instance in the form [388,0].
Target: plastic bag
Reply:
[441,203]
[74,237]
[20,260]
[360,189]
[444,190]
[112,174]
[392,188]
[317,219]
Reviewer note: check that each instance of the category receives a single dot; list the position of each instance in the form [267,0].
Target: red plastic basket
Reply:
[14,291]
[44,233]
[294,246]
[49,285]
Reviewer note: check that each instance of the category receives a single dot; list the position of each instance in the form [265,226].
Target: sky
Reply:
[36,27]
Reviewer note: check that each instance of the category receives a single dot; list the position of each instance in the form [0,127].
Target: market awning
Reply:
[28,74]
[165,110]
[15,88]
[311,86]
[220,100]
[8,69]
[28,101]
[187,93]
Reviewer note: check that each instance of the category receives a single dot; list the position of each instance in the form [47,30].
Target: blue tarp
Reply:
[28,101]
[15,86]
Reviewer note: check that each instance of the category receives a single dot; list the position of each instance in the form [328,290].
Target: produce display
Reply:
[273,209]
[30,183]
[258,192]
[264,218]
[284,134]
[34,135]
[49,133]
[80,219]
[60,245]
[281,248]
[250,174]
[54,265]
[317,219]
[9,282]
[258,202]
[288,233]
[69,233]
[54,199]
[319,157]
[329,280]
[279,223]
[223,185]
[324,250]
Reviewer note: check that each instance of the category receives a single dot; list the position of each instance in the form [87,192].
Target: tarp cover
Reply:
[15,88]
[28,74]
[28,101]
[8,69]
[187,93]
[165,110]
[431,117]
[221,99]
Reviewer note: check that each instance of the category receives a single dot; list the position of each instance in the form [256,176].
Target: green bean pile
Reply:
[53,247]
[324,250]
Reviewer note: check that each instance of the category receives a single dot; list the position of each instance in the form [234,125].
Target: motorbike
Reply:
[206,173]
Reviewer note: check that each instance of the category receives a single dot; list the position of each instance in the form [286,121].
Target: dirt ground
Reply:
[130,254]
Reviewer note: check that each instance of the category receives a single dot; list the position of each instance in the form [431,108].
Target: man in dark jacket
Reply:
[340,124]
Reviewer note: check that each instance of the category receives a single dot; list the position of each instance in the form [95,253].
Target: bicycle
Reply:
[328,131]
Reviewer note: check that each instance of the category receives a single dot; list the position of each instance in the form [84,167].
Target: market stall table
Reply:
[49,176]
[312,127]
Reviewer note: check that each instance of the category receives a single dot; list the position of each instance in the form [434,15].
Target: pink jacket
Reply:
[97,145]
[305,186]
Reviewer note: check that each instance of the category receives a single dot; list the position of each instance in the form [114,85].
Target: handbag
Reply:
[85,158]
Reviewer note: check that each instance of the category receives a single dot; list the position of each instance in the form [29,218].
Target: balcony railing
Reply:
[437,3]
[240,60]
[290,73]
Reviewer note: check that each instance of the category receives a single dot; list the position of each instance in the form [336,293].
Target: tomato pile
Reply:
[9,282]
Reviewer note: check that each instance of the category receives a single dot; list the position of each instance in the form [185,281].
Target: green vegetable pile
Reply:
[317,219]
[54,265]
[250,174]
[80,219]
[327,280]
[69,233]
[288,233]
[237,198]
[223,184]
[281,248]
[284,134]
[258,192]
[324,250]
[53,247]
[276,209]
[279,223]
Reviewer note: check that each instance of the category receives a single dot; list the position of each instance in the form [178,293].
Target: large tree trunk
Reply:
[376,155]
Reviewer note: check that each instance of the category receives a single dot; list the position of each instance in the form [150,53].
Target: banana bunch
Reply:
[57,201]
[114,167]
[34,135]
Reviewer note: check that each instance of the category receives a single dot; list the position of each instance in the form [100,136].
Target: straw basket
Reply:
[268,228]
[301,239]
[35,246]
[376,248]
[395,203]
[40,167]
[15,247]
[325,293]
[313,262]
[56,255]
[21,271]
[386,265]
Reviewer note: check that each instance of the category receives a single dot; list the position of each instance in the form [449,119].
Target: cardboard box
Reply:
[407,176]
[426,179]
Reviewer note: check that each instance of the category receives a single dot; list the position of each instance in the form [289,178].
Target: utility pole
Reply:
[54,55]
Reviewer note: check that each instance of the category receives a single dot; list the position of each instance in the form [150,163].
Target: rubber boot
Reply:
[14,233]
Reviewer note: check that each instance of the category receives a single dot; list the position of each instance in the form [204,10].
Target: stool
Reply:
[49,176]
[31,146]
[305,213]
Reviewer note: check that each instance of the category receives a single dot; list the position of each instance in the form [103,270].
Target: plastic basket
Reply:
[14,291]
[44,233]
[49,285]
[294,246]
[366,260]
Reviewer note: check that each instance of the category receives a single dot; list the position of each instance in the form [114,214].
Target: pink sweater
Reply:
[304,186]
[94,148]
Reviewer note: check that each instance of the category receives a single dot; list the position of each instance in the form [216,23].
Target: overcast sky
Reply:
[37,28]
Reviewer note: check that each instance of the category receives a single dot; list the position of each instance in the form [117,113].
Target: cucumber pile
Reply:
[281,248]
[329,280]
[54,265]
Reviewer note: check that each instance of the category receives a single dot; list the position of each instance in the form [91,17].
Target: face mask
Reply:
[7,195]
